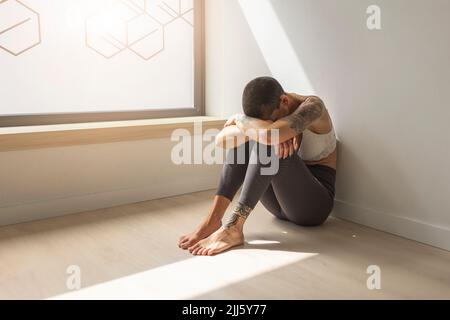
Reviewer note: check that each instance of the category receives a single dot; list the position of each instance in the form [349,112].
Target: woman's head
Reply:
[264,98]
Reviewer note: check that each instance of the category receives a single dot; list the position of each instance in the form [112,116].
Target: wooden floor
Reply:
[131,252]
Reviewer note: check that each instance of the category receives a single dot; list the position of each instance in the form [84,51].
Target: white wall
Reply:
[36,184]
[233,57]
[386,90]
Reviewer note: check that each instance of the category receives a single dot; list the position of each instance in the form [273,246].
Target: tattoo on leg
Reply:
[241,211]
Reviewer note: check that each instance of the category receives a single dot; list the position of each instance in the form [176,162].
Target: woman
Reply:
[294,130]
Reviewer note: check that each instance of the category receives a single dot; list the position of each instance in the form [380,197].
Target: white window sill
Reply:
[51,136]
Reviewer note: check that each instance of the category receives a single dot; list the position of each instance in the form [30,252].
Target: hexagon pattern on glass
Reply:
[20,27]
[135,25]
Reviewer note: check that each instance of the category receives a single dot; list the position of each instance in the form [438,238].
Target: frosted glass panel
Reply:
[59,56]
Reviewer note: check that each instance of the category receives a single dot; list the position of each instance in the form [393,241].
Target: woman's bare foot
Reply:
[220,241]
[212,223]
[203,231]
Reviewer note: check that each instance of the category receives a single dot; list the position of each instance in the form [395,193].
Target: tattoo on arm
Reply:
[241,211]
[307,113]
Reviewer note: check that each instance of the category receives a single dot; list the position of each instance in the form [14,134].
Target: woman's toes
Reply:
[196,250]
[186,244]
[182,242]
[193,248]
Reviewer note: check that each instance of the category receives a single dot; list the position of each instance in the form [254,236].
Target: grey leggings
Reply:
[297,192]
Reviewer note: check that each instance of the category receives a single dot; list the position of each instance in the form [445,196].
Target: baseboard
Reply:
[420,231]
[59,207]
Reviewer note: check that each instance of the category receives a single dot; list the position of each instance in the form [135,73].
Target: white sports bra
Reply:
[315,147]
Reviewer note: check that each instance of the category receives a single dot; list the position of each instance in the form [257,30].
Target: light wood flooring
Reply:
[131,252]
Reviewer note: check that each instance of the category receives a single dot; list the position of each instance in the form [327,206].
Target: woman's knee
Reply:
[277,213]
[269,162]
[303,220]
[239,156]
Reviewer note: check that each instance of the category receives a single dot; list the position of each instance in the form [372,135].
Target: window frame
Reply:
[36,119]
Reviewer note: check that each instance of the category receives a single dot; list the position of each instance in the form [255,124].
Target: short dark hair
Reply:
[261,93]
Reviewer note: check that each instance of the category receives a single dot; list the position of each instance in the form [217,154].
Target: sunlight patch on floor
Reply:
[262,242]
[192,277]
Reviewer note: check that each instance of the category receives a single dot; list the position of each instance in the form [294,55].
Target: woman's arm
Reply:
[285,128]
[230,137]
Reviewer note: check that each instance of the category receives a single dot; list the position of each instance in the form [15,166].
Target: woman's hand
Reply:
[287,149]
[297,141]
[231,121]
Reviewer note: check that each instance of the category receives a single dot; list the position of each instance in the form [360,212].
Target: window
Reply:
[71,61]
